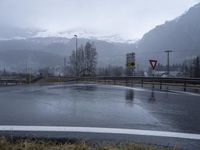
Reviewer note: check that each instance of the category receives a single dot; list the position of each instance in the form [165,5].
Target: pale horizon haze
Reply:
[130,19]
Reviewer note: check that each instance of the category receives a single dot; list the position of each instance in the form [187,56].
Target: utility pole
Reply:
[65,66]
[28,72]
[168,52]
[76,37]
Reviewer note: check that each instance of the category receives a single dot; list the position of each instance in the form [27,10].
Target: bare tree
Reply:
[84,61]
[90,59]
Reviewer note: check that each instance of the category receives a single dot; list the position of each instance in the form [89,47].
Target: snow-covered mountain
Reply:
[14,33]
[112,38]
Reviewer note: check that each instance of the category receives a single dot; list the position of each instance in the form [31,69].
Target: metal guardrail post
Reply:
[185,85]
[142,82]
[160,84]
[153,82]
[132,79]
[114,81]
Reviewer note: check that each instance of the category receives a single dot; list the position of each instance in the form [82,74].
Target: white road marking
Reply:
[133,88]
[189,93]
[101,130]
[157,91]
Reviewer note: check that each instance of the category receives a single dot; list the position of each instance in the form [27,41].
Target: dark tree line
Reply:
[191,68]
[196,67]
[173,67]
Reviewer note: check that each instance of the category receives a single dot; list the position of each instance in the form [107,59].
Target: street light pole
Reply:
[168,52]
[76,37]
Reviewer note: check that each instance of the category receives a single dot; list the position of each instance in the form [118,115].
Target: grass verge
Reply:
[45,144]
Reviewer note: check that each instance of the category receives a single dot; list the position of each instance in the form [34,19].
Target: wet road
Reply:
[100,106]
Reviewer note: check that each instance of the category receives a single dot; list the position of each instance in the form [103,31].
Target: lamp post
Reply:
[76,37]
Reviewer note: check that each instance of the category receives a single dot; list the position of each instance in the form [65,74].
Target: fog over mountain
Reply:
[21,60]
[40,48]
[16,53]
[129,19]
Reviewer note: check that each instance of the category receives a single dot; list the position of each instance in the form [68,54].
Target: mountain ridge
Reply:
[180,35]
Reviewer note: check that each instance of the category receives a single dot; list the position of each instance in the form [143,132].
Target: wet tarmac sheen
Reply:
[103,106]
[95,112]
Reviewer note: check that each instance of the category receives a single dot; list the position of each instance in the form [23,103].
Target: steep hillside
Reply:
[181,35]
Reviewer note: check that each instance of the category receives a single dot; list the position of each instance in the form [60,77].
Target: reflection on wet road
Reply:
[99,106]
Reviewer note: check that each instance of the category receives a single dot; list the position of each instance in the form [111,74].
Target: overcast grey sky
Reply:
[128,18]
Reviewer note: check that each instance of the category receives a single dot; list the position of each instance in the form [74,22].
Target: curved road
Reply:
[102,112]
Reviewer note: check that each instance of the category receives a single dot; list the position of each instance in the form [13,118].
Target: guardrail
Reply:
[12,81]
[185,82]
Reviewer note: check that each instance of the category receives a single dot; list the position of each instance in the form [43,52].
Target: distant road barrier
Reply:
[128,81]
[5,82]
[185,82]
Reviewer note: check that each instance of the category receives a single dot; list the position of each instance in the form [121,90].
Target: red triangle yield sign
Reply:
[153,63]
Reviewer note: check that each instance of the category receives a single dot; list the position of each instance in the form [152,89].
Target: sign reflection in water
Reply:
[129,96]
[152,98]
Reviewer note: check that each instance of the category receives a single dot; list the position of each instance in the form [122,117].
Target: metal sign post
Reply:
[153,64]
[130,62]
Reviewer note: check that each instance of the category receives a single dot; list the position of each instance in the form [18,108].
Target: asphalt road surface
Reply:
[102,112]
